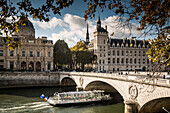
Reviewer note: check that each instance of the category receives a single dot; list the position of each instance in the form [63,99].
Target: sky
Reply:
[71,26]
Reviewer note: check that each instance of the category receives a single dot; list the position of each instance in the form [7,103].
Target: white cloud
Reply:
[120,32]
[75,30]
[48,25]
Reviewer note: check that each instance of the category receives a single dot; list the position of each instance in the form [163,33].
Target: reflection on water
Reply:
[27,101]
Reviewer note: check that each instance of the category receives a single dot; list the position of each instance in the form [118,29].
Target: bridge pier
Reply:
[130,106]
[79,88]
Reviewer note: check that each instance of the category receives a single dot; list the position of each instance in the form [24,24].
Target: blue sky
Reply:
[71,27]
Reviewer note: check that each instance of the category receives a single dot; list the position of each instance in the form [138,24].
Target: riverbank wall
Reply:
[28,79]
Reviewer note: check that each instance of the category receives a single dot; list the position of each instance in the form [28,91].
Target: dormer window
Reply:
[139,46]
[122,45]
[113,44]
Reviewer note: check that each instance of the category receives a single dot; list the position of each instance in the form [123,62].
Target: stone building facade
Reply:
[34,54]
[118,54]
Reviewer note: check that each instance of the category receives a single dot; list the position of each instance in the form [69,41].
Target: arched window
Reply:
[23,65]
[38,66]
[31,66]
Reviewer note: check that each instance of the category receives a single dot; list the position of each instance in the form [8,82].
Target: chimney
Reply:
[106,27]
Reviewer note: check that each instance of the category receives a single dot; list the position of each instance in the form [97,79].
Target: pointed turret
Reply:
[98,22]
[87,35]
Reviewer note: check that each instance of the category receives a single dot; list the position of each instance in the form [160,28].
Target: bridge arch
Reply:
[67,81]
[156,106]
[113,84]
[158,95]
[157,100]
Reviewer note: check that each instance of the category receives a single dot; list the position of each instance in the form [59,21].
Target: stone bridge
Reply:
[140,94]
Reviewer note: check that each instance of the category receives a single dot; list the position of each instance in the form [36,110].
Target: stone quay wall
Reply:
[28,79]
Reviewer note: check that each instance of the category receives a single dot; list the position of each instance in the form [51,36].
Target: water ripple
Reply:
[27,107]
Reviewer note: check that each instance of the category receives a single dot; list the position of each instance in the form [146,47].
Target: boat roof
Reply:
[81,92]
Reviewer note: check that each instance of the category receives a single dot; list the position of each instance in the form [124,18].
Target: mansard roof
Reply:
[128,42]
[101,29]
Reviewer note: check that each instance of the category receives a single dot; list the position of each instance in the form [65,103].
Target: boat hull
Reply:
[79,103]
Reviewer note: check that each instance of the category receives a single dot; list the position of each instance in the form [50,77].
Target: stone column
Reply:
[79,88]
[130,106]
[34,65]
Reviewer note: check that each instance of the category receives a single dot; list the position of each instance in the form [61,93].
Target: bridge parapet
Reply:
[128,78]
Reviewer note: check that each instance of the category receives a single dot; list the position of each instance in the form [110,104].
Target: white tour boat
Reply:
[77,98]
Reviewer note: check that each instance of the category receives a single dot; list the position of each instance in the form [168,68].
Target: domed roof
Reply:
[27,24]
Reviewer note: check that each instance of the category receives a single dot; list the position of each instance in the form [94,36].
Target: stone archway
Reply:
[156,106]
[31,66]
[68,82]
[38,66]
[99,85]
[23,66]
[144,68]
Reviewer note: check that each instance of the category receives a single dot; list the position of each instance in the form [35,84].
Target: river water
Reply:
[27,100]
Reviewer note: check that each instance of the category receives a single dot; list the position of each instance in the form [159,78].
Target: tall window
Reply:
[122,53]
[1,53]
[49,65]
[135,61]
[11,53]
[143,61]
[31,54]
[104,41]
[118,53]
[11,65]
[126,51]
[122,60]
[126,60]
[38,54]
[109,53]
[49,54]
[103,61]
[131,60]
[99,61]
[139,60]
[113,60]
[113,52]
[118,60]
[23,53]
[108,60]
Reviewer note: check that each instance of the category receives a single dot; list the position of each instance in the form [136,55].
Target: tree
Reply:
[81,54]
[62,54]
[160,51]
